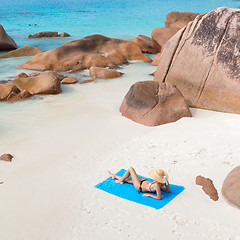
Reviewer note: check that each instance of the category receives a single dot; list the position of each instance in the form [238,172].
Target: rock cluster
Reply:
[90,51]
[173,23]
[231,187]
[207,187]
[152,103]
[201,62]
[24,86]
[6,42]
[48,34]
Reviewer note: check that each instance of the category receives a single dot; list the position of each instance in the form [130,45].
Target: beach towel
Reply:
[128,191]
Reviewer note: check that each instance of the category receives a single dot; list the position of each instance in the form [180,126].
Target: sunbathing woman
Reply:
[143,185]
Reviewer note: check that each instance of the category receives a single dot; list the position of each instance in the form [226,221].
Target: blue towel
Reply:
[128,191]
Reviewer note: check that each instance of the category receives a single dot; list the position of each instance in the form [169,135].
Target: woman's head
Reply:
[159,175]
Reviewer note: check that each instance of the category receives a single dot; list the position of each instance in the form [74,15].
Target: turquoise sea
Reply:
[119,18]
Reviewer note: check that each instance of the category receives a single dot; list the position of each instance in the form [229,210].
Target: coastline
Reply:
[63,145]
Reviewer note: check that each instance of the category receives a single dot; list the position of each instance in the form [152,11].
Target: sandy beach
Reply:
[64,144]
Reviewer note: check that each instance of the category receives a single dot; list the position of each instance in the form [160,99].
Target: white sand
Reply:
[63,146]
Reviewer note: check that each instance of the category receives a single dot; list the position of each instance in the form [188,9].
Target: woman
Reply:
[143,185]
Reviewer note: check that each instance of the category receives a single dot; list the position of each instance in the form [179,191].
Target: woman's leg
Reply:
[126,177]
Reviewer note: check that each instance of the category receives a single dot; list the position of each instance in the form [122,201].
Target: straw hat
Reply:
[159,175]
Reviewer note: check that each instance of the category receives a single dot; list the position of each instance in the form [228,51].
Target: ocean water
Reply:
[120,18]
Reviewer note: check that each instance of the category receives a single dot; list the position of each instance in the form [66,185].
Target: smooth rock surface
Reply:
[156,59]
[231,187]
[103,73]
[179,19]
[145,43]
[22,51]
[160,37]
[203,61]
[94,50]
[151,103]
[69,80]
[6,42]
[43,34]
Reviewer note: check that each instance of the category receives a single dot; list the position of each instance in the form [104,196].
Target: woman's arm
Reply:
[167,189]
[158,191]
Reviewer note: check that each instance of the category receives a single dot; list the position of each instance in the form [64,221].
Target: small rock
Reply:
[34,74]
[103,73]
[88,80]
[6,157]
[64,34]
[69,80]
[207,187]
[21,75]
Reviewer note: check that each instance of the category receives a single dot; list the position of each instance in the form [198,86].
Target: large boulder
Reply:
[231,187]
[45,83]
[103,73]
[160,37]
[203,61]
[145,43]
[94,50]
[179,19]
[43,34]
[6,42]
[152,103]
[22,51]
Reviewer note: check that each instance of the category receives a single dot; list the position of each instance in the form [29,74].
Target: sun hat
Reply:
[159,175]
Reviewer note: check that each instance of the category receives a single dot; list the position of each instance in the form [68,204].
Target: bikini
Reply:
[149,186]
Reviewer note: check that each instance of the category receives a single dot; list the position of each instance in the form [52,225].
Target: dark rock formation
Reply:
[152,103]
[203,61]
[6,42]
[22,51]
[231,187]
[43,34]
[94,50]
[207,187]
